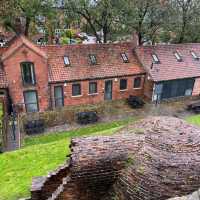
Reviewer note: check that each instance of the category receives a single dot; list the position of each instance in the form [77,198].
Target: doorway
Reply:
[108,90]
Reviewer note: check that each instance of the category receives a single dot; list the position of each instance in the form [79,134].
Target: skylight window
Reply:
[124,57]
[155,59]
[66,60]
[194,55]
[178,56]
[93,59]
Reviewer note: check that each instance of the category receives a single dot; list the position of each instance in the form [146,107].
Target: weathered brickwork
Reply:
[156,162]
[148,88]
[12,68]
[86,98]
[196,89]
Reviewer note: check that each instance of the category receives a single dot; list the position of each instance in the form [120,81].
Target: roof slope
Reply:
[109,61]
[169,68]
[18,42]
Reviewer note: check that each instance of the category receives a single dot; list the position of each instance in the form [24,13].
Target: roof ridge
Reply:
[167,45]
[96,44]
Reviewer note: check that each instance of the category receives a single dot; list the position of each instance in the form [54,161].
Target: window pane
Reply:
[92,87]
[125,57]
[137,82]
[76,89]
[123,84]
[28,73]
[58,95]
[30,99]
[66,60]
[93,59]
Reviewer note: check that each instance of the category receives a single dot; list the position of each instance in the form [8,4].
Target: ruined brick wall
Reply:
[157,160]
[94,166]
[167,165]
[194,196]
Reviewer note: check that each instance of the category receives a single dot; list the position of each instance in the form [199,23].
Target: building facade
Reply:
[38,78]
[173,71]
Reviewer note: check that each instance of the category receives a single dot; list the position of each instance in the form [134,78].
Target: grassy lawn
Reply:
[195,119]
[40,155]
[1,115]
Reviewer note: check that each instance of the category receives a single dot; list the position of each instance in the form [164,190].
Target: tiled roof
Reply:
[3,79]
[169,68]
[109,61]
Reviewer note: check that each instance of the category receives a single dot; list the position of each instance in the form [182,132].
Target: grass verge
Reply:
[41,154]
[194,119]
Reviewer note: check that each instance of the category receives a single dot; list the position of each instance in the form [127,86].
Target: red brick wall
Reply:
[85,98]
[148,88]
[13,71]
[196,89]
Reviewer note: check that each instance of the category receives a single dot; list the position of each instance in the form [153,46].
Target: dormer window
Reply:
[28,73]
[93,59]
[124,58]
[194,55]
[178,56]
[66,61]
[155,59]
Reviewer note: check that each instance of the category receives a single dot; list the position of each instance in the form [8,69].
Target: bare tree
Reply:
[183,15]
[144,17]
[100,15]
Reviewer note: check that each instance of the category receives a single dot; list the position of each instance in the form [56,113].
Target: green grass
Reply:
[1,110]
[40,155]
[195,119]
[1,115]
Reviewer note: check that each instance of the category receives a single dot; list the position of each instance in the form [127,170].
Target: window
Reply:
[124,57]
[28,73]
[31,101]
[92,87]
[155,59]
[93,59]
[58,96]
[123,84]
[137,82]
[76,89]
[66,60]
[178,56]
[194,55]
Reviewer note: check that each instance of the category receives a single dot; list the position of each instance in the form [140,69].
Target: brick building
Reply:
[173,70]
[40,78]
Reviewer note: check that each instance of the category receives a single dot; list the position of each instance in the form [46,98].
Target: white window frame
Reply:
[178,56]
[155,58]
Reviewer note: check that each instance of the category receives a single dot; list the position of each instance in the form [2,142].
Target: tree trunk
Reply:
[105,34]
[140,38]
[27,26]
[182,35]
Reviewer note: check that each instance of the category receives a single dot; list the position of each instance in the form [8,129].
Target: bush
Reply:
[87,117]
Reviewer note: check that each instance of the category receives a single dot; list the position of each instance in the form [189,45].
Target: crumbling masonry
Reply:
[156,159]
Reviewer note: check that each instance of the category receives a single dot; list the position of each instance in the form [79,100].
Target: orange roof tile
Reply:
[169,68]
[109,61]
